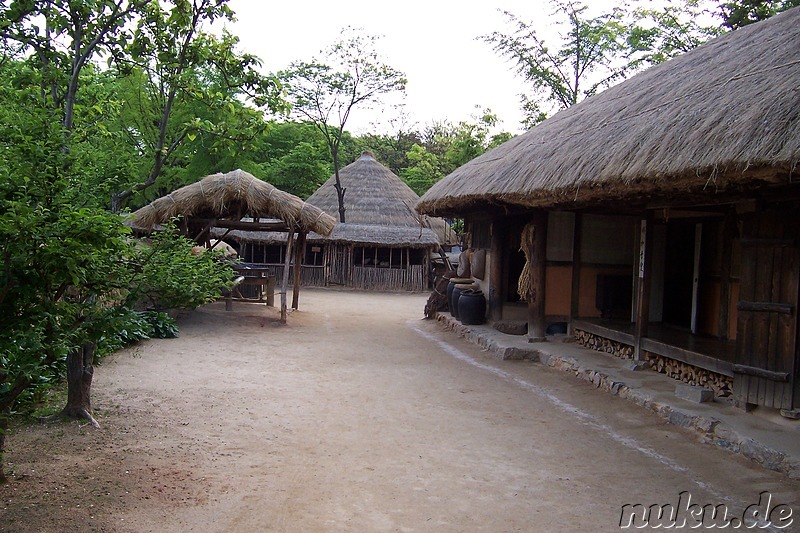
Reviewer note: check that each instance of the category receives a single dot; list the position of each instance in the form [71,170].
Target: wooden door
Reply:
[765,370]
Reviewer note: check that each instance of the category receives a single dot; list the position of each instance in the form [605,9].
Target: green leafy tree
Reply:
[744,12]
[325,93]
[423,171]
[446,147]
[579,65]
[42,27]
[176,69]
[655,35]
[301,171]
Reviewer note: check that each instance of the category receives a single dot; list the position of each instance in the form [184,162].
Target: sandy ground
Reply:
[355,416]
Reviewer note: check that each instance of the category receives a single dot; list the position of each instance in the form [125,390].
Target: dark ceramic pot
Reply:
[471,307]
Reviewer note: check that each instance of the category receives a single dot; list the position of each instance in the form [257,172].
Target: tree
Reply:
[325,94]
[176,63]
[65,264]
[88,28]
[445,147]
[578,66]
[738,14]
[655,35]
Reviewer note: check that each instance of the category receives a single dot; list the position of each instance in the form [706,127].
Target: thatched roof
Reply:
[723,116]
[229,197]
[376,196]
[358,234]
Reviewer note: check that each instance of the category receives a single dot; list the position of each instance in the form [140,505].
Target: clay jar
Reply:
[450,286]
[471,307]
[458,288]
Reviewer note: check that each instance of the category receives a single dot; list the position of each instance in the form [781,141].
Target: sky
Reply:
[434,43]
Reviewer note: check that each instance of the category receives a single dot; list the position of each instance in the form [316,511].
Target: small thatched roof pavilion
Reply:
[227,198]
[238,200]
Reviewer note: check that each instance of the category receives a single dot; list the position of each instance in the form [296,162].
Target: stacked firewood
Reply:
[595,342]
[693,375]
[721,385]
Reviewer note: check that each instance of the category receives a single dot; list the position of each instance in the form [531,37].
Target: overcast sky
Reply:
[433,42]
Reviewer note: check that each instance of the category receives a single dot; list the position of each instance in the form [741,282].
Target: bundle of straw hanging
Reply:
[437,301]
[222,195]
[524,288]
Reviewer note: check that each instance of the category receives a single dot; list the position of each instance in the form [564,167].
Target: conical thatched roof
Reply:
[231,196]
[376,196]
[725,115]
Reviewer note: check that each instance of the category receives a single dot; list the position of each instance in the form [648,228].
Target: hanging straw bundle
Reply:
[437,301]
[524,288]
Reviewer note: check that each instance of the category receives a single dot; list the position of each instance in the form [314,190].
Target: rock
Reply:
[694,393]
[511,327]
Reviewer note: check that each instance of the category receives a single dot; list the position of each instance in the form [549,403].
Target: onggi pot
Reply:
[450,286]
[458,288]
[472,307]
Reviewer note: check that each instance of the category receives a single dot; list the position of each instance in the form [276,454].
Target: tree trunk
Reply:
[3,427]
[79,383]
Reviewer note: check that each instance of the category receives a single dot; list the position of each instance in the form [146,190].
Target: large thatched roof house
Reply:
[659,217]
[384,243]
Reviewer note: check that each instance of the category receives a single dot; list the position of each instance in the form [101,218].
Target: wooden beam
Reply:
[761,373]
[643,283]
[766,307]
[728,235]
[496,250]
[277,225]
[537,325]
[300,252]
[575,293]
[285,283]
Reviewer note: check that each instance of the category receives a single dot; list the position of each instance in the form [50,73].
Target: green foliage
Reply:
[325,93]
[168,275]
[577,66]
[655,35]
[423,171]
[185,99]
[301,171]
[128,326]
[744,12]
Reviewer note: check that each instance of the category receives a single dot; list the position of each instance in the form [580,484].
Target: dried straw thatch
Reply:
[376,196]
[723,116]
[231,196]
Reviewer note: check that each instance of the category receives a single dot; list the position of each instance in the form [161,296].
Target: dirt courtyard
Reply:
[357,415]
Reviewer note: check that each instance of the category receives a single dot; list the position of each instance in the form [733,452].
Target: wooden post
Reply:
[497,248]
[300,251]
[728,234]
[575,293]
[537,325]
[286,264]
[643,279]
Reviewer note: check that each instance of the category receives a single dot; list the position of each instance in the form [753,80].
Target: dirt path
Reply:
[356,416]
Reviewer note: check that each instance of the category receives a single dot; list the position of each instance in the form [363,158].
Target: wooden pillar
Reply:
[537,325]
[575,292]
[300,252]
[728,234]
[497,250]
[286,264]
[643,278]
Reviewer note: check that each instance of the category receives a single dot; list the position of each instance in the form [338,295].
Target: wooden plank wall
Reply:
[766,358]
